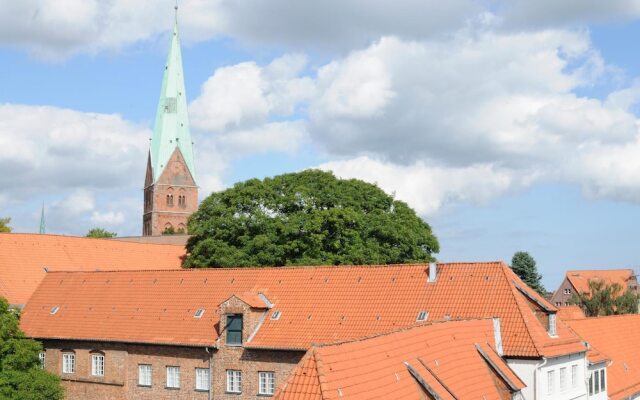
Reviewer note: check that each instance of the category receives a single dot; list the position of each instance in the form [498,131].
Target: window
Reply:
[182,201]
[199,313]
[267,382]
[68,363]
[173,377]
[558,303]
[591,384]
[567,291]
[574,376]
[422,316]
[552,324]
[234,381]
[144,374]
[276,315]
[202,379]
[550,381]
[97,365]
[603,386]
[234,329]
[596,382]
[170,200]
[563,379]
[42,357]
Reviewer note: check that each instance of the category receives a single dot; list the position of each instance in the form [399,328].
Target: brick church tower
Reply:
[170,190]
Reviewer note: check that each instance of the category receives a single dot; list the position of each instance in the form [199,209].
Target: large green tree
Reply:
[21,376]
[606,299]
[4,225]
[306,218]
[525,267]
[100,233]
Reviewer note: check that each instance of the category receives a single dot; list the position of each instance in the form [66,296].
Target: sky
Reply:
[508,125]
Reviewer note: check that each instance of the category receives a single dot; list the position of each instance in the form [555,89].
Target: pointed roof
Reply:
[42,222]
[451,360]
[172,121]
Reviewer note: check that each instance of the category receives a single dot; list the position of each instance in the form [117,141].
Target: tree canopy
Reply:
[525,267]
[21,376]
[4,225]
[306,218]
[605,299]
[100,233]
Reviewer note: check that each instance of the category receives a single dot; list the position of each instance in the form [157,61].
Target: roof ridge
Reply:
[397,330]
[322,379]
[105,240]
[513,290]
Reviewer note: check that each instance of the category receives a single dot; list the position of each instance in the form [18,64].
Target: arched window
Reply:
[170,200]
[182,201]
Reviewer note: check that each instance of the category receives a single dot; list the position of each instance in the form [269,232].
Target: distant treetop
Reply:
[100,233]
[306,218]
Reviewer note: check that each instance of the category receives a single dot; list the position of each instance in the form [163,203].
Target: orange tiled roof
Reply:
[317,304]
[448,356]
[570,312]
[23,258]
[617,338]
[580,278]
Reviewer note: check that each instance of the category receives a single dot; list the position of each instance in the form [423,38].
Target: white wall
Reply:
[534,373]
[603,394]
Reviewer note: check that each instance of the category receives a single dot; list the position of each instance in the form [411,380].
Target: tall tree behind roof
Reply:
[525,267]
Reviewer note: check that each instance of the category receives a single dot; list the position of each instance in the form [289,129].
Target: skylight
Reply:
[422,316]
[276,315]
[54,310]
[198,313]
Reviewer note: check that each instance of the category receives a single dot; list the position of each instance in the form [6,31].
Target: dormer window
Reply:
[234,329]
[552,324]
[422,316]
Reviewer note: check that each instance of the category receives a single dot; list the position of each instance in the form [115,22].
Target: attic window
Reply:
[275,315]
[198,313]
[54,310]
[422,316]
[552,324]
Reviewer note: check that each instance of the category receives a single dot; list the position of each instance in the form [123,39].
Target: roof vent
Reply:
[447,317]
[276,315]
[46,269]
[422,316]
[433,272]
[199,313]
[54,310]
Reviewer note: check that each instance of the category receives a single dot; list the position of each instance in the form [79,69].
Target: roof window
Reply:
[198,313]
[422,316]
[276,315]
[54,310]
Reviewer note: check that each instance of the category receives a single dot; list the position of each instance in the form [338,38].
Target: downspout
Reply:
[210,373]
[536,379]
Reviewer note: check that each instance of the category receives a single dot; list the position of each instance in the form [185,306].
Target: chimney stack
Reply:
[433,272]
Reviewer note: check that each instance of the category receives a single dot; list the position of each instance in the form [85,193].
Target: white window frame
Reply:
[552,325]
[574,376]
[266,382]
[563,379]
[550,382]
[234,381]
[97,364]
[202,379]
[42,356]
[173,377]
[567,291]
[145,375]
[68,363]
[603,380]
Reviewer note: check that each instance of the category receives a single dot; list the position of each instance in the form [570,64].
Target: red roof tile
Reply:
[449,357]
[570,312]
[317,304]
[616,338]
[24,257]
[580,278]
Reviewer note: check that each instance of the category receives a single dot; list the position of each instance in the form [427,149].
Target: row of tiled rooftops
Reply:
[315,305]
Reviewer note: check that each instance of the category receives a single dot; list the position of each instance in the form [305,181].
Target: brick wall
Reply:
[121,370]
[560,298]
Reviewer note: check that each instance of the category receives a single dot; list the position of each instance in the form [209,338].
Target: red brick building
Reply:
[248,328]
[577,281]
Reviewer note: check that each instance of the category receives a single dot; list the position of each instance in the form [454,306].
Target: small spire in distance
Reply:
[43,226]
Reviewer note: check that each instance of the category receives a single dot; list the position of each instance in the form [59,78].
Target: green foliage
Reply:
[604,299]
[20,374]
[525,267]
[173,231]
[306,218]
[100,233]
[4,225]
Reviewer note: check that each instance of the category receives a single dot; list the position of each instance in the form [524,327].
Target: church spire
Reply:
[172,121]
[43,226]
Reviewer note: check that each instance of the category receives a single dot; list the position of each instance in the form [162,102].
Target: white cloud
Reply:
[109,218]
[428,188]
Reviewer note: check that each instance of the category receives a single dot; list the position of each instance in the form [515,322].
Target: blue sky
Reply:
[507,125]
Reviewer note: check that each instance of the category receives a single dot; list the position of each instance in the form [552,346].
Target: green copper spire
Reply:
[43,226]
[172,121]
